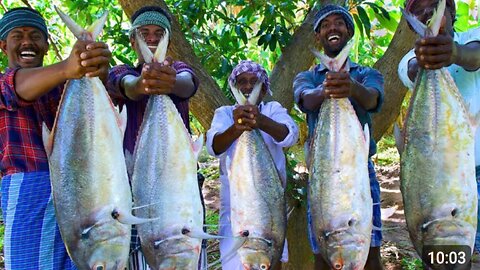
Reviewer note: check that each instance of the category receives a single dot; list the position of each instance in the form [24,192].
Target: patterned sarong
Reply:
[32,239]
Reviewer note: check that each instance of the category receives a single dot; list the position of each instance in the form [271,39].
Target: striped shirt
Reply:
[136,109]
[21,145]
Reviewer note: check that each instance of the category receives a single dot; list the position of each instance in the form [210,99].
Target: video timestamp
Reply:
[447,256]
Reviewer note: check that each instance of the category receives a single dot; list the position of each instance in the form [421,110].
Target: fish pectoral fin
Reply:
[237,243]
[399,139]
[129,219]
[122,120]
[197,146]
[47,138]
[202,235]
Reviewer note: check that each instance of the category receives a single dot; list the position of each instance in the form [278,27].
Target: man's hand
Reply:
[435,52]
[96,59]
[88,59]
[337,85]
[245,117]
[157,79]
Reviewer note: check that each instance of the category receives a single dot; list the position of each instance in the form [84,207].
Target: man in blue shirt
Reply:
[362,85]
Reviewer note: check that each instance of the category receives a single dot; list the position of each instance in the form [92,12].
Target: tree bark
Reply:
[209,95]
[395,91]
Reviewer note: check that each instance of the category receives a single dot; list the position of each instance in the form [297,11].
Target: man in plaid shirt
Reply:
[30,94]
[131,87]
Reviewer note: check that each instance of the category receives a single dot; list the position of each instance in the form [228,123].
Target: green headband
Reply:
[151,18]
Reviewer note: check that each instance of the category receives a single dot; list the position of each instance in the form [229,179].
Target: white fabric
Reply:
[468,82]
[222,120]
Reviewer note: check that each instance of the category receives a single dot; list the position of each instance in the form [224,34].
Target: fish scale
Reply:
[164,182]
[437,158]
[339,194]
[88,175]
[257,202]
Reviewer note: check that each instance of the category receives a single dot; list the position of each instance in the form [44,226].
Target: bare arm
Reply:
[91,60]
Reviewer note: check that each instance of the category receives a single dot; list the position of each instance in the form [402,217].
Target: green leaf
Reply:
[365,20]
[359,25]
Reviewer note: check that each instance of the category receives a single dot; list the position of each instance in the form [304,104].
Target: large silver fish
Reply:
[257,198]
[164,182]
[437,158]
[339,186]
[87,168]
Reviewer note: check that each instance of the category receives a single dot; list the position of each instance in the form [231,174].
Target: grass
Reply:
[411,264]
[387,153]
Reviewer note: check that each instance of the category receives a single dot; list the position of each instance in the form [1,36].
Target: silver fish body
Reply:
[339,187]
[438,164]
[89,178]
[165,187]
[257,202]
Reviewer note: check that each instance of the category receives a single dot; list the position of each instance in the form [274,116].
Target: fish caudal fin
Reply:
[197,146]
[160,52]
[252,98]
[80,33]
[434,24]
[334,64]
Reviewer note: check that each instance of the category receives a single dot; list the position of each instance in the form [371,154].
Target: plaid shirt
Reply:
[136,109]
[21,127]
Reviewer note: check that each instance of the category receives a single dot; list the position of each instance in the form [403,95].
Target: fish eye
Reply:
[263,267]
[454,212]
[351,222]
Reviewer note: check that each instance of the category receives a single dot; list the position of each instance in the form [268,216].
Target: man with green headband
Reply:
[30,95]
[131,87]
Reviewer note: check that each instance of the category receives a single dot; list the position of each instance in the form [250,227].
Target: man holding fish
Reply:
[30,96]
[363,86]
[459,53]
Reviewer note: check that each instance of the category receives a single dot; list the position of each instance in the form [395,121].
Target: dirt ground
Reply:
[396,242]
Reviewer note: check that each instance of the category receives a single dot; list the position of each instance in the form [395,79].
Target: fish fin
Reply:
[130,162]
[334,64]
[47,137]
[399,139]
[197,146]
[436,20]
[129,219]
[366,133]
[76,29]
[79,32]
[253,98]
[388,212]
[203,235]
[239,97]
[122,120]
[417,25]
[434,23]
[237,243]
[143,47]
[96,28]
[161,51]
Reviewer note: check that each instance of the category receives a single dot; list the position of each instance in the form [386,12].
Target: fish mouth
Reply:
[447,232]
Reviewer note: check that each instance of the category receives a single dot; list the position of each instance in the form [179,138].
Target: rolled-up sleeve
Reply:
[303,83]
[403,69]
[280,115]
[114,86]
[222,120]
[373,79]
[9,99]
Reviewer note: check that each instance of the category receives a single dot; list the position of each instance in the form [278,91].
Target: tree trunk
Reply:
[209,96]
[395,92]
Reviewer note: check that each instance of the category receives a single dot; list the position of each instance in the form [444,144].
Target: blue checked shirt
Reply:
[368,77]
